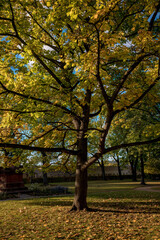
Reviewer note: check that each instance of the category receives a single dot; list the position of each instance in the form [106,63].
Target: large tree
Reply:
[67,64]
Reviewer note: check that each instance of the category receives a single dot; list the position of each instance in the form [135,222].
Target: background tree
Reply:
[152,166]
[66,63]
[102,166]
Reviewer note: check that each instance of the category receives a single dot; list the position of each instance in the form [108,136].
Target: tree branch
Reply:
[38,149]
[139,98]
[40,25]
[6,19]
[106,97]
[96,156]
[126,16]
[125,145]
[48,69]
[151,23]
[96,113]
[40,100]
[126,75]
[24,96]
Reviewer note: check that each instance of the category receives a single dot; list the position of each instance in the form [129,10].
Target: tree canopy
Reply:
[69,69]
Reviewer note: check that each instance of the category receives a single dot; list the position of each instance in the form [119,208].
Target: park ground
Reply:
[120,210]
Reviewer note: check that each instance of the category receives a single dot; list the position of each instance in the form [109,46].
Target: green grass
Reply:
[120,212]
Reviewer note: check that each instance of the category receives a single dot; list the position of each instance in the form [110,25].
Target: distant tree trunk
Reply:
[101,164]
[81,181]
[133,170]
[119,167]
[119,171]
[142,170]
[133,163]
[45,178]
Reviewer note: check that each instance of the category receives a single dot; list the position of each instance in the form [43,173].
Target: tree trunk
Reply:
[101,164]
[119,168]
[81,185]
[142,170]
[134,174]
[134,171]
[81,180]
[133,163]
[45,178]
[119,172]
[103,171]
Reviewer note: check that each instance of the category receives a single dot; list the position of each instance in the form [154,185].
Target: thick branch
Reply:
[125,145]
[13,22]
[23,95]
[23,112]
[6,19]
[8,34]
[38,149]
[40,100]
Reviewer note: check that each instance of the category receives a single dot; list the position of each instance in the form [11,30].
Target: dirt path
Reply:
[149,188]
[27,196]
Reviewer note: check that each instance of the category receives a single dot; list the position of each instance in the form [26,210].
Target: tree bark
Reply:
[101,164]
[134,168]
[81,186]
[119,169]
[45,178]
[142,170]
[81,180]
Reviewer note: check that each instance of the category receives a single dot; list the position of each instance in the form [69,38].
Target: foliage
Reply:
[134,127]
[47,94]
[153,163]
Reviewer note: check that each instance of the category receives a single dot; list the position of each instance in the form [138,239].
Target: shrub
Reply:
[38,190]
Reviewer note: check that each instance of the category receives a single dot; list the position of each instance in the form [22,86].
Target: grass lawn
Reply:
[120,212]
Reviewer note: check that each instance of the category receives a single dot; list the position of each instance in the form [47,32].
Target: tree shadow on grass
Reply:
[130,207]
[122,211]
[132,194]
[110,207]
